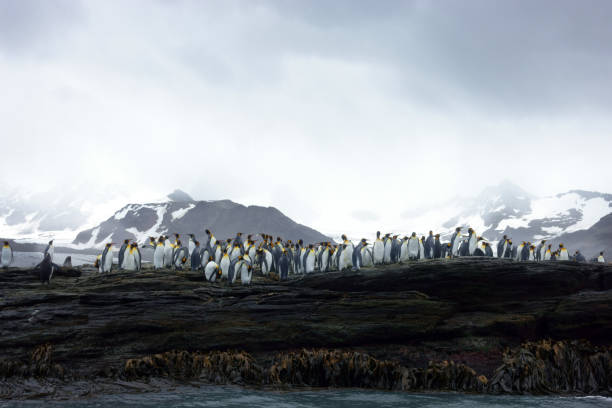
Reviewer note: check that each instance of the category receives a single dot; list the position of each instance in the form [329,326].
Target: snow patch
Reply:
[178,214]
[122,213]
[141,236]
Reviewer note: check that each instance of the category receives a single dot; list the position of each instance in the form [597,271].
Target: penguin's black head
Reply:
[601,253]
[197,243]
[208,232]
[51,242]
[458,229]
[6,243]
[414,234]
[126,241]
[430,232]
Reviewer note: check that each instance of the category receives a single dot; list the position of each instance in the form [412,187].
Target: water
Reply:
[31,259]
[211,396]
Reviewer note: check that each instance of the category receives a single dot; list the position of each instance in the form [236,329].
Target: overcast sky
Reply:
[336,112]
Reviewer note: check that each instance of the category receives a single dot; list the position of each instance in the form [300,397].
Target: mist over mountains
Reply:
[578,218]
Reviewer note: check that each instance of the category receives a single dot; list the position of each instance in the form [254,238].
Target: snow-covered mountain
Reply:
[183,215]
[57,214]
[506,209]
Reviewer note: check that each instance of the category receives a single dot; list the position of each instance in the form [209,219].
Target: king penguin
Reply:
[168,252]
[378,250]
[413,247]
[122,249]
[196,261]
[158,255]
[600,258]
[47,268]
[106,262]
[283,266]
[388,244]
[211,270]
[563,253]
[308,260]
[191,244]
[6,257]
[500,246]
[472,241]
[224,264]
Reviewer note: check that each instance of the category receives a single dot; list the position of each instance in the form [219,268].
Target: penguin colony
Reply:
[236,259]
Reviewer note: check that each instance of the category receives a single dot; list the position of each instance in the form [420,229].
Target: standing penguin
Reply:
[50,249]
[378,250]
[168,252]
[181,255]
[517,255]
[404,250]
[367,258]
[524,255]
[6,257]
[137,255]
[421,248]
[47,268]
[122,249]
[437,248]
[563,253]
[224,264]
[308,260]
[508,249]
[211,238]
[347,250]
[106,262]
[548,253]
[500,246]
[196,260]
[454,241]
[428,245]
[472,242]
[158,255]
[191,244]
[357,259]
[264,259]
[388,245]
[395,250]
[283,265]
[600,258]
[413,247]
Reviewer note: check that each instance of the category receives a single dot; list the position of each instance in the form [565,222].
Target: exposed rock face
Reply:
[224,218]
[427,325]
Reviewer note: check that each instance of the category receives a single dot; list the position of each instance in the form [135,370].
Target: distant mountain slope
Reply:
[578,218]
[224,218]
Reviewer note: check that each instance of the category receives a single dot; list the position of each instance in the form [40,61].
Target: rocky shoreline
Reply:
[469,325]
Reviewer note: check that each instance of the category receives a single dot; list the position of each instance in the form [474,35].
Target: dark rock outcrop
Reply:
[427,325]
